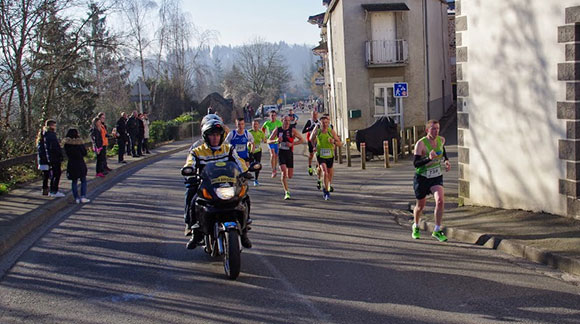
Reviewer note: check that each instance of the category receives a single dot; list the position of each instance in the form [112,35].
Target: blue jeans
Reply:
[83,188]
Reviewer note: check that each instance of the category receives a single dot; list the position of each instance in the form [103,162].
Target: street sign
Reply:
[401,90]
[319,81]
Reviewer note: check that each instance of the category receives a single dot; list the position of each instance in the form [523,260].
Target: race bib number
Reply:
[284,146]
[325,152]
[240,148]
[433,173]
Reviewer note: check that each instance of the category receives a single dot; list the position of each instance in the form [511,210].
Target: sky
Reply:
[239,21]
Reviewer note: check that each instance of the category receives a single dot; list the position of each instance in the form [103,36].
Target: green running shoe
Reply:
[287,195]
[416,234]
[310,171]
[440,236]
[319,185]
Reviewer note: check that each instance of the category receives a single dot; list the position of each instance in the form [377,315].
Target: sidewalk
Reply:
[543,238]
[24,209]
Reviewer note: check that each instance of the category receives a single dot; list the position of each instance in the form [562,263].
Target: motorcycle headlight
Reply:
[225,193]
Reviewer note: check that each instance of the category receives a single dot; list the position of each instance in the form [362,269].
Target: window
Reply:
[385,102]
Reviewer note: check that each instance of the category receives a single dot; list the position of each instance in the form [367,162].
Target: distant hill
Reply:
[299,59]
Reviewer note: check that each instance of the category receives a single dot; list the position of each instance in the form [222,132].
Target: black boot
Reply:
[246,241]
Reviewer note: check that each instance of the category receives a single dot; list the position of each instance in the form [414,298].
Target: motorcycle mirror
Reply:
[187,171]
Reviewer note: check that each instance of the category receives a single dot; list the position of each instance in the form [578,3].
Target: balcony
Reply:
[383,53]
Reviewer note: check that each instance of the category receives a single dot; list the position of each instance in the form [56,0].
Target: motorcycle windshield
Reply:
[218,173]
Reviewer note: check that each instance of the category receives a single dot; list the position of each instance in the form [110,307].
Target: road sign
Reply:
[319,81]
[401,90]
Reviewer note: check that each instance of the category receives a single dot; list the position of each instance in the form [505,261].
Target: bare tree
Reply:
[137,13]
[262,68]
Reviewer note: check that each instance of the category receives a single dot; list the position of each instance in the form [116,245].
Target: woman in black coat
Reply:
[76,167]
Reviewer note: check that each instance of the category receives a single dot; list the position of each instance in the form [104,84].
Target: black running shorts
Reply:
[423,185]
[329,162]
[286,157]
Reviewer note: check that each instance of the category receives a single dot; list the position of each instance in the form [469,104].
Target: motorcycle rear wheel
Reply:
[232,257]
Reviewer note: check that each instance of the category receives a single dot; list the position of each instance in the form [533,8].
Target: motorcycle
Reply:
[222,207]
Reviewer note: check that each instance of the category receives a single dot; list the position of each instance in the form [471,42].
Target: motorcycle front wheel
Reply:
[232,257]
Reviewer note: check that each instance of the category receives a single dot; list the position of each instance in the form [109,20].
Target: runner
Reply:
[308,127]
[285,135]
[268,127]
[326,139]
[429,152]
[293,118]
[240,139]
[259,138]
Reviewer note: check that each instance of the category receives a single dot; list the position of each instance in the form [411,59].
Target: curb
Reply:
[39,216]
[511,247]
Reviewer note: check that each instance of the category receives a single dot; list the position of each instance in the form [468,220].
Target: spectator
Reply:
[146,133]
[101,116]
[122,136]
[76,169]
[98,142]
[49,159]
[140,135]
[133,130]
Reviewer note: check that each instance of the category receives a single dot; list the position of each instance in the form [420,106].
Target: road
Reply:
[121,259]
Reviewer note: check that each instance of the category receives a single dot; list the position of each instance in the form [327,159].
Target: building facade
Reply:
[371,45]
[518,104]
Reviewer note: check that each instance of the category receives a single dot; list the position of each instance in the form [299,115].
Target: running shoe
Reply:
[310,171]
[287,195]
[256,183]
[318,185]
[416,233]
[325,194]
[439,235]
[331,189]
[273,174]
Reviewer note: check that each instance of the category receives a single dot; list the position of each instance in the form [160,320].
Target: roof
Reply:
[317,19]
[321,48]
[385,7]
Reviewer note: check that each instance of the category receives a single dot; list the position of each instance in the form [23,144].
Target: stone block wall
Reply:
[569,110]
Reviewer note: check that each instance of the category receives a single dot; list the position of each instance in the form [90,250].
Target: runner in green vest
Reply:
[325,139]
[259,138]
[268,127]
[430,158]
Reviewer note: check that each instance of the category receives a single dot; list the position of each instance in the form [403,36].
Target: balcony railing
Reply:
[386,52]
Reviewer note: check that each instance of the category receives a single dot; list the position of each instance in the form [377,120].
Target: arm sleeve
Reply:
[445,154]
[306,127]
[420,161]
[241,163]
[229,137]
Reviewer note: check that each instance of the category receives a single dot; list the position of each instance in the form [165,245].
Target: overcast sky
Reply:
[239,21]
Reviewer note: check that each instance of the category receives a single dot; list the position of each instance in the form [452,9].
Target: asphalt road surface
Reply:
[122,259]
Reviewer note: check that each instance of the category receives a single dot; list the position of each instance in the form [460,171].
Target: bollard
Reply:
[386,149]
[363,156]
[340,155]
[348,159]
[395,151]
[415,134]
[410,141]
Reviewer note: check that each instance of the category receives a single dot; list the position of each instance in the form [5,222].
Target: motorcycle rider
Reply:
[213,149]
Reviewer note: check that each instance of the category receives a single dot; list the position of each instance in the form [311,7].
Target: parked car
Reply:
[266,109]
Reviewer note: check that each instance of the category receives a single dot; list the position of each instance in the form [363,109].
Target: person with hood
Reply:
[133,130]
[76,168]
[97,137]
[122,137]
[49,158]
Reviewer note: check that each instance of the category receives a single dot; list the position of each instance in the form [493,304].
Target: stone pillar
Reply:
[462,107]
[569,110]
